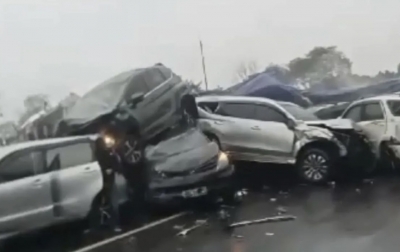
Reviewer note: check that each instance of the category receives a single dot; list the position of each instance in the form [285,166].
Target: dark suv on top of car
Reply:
[132,108]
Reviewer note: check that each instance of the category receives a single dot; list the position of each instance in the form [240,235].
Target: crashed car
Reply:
[379,117]
[187,165]
[50,182]
[331,111]
[131,108]
[266,131]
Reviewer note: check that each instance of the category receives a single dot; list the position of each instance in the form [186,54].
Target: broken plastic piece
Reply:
[179,227]
[281,210]
[264,220]
[198,224]
[269,234]
[272,199]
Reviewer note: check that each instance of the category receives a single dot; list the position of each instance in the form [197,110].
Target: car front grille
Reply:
[206,166]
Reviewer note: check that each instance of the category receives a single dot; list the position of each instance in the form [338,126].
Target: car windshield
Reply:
[394,107]
[298,112]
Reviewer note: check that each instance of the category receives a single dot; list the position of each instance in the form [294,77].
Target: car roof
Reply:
[227,98]
[5,150]
[380,98]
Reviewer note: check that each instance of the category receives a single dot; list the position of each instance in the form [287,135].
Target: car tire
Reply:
[315,165]
[387,160]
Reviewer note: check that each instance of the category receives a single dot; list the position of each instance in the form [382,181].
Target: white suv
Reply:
[48,182]
[266,131]
[379,117]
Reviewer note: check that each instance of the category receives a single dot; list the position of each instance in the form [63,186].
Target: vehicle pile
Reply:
[176,146]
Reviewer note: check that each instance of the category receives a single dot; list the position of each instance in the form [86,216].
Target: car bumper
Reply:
[173,193]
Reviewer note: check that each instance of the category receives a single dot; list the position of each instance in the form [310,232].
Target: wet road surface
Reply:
[348,216]
[328,219]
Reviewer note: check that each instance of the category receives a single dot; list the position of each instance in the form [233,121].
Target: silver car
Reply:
[263,130]
[48,182]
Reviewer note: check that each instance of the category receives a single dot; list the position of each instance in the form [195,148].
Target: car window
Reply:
[21,166]
[239,110]
[354,114]
[69,156]
[264,113]
[394,107]
[137,85]
[372,111]
[208,106]
[154,79]
[298,112]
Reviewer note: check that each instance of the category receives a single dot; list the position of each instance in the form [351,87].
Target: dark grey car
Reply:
[132,107]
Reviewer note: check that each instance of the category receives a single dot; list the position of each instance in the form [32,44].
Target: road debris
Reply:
[332,183]
[281,210]
[198,224]
[179,227]
[237,236]
[368,181]
[269,234]
[283,193]
[264,220]
[358,190]
[273,200]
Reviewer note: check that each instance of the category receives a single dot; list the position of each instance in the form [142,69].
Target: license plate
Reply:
[194,193]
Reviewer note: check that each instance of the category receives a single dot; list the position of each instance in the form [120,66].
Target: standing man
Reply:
[110,165]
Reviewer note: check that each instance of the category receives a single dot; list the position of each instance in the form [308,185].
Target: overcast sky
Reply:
[58,46]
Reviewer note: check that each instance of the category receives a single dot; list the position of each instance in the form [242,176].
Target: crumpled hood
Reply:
[333,123]
[183,152]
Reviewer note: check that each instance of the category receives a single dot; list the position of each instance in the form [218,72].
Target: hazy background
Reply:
[59,46]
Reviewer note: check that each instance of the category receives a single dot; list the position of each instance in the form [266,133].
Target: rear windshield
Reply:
[394,107]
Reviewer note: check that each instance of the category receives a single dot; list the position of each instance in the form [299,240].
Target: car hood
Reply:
[342,124]
[182,152]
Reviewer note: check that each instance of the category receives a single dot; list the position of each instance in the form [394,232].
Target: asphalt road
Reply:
[358,215]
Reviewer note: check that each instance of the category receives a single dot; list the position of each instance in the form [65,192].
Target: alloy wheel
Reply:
[315,167]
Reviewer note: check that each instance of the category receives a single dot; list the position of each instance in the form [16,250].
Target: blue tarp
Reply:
[266,85]
[352,94]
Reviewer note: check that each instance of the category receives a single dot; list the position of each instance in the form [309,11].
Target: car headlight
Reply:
[109,141]
[223,161]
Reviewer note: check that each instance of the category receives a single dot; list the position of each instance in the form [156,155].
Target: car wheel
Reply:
[132,150]
[315,165]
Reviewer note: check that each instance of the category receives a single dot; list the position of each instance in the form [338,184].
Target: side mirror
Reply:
[135,99]
[291,124]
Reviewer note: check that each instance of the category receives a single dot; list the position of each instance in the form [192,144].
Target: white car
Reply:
[267,131]
[379,117]
[48,182]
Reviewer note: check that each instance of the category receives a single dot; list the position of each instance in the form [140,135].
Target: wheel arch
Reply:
[323,144]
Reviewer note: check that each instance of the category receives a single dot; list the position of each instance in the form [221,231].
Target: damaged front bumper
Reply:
[176,190]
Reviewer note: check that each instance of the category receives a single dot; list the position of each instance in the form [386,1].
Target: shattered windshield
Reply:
[394,107]
[299,113]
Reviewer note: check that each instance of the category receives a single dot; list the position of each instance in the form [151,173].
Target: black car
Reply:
[132,108]
[187,165]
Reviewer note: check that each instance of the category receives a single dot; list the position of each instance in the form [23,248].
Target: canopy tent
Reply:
[266,85]
[351,94]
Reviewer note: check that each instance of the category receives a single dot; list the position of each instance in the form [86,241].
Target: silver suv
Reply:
[263,130]
[49,182]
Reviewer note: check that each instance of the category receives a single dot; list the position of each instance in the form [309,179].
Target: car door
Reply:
[76,178]
[235,129]
[371,118]
[24,193]
[275,139]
